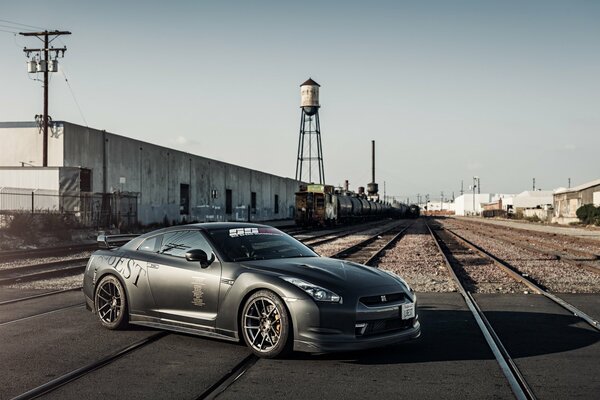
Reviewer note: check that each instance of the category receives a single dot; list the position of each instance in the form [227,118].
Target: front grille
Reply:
[378,326]
[382,299]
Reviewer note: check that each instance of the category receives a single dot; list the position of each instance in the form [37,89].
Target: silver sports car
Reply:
[239,281]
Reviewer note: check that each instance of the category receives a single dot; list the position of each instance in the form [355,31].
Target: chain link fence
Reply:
[93,210]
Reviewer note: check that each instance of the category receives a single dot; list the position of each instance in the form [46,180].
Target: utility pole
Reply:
[475,186]
[534,184]
[46,65]
[461,187]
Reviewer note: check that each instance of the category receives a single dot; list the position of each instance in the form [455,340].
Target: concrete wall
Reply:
[155,174]
[22,142]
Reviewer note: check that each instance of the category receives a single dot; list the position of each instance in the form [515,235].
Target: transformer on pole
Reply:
[44,65]
[310,150]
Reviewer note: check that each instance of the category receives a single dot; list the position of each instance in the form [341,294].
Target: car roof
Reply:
[208,226]
[205,226]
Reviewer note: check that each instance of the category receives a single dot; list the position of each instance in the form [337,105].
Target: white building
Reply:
[469,204]
[533,199]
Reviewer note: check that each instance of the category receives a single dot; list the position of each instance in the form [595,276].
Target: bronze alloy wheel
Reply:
[110,303]
[266,326]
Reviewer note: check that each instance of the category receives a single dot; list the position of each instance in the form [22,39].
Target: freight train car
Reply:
[319,205]
[414,211]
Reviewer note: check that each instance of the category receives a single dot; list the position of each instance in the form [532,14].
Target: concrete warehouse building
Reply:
[163,183]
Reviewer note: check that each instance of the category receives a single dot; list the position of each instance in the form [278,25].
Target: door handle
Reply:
[152,265]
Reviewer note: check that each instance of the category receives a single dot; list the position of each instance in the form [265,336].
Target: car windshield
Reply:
[257,243]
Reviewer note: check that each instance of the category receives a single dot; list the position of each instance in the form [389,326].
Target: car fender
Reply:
[247,283]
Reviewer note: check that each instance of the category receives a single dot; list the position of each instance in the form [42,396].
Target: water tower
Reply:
[310,151]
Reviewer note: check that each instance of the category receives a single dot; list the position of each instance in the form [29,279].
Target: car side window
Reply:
[179,242]
[151,244]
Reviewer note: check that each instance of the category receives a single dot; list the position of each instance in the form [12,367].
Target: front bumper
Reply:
[327,343]
[321,328]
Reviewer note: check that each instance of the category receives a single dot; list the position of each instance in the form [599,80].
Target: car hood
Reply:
[327,272]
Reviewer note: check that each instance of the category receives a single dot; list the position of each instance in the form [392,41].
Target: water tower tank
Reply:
[309,93]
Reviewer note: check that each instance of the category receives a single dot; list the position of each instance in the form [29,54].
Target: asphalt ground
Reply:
[450,360]
[32,307]
[557,353]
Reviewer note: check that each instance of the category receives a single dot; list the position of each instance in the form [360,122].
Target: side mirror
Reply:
[199,255]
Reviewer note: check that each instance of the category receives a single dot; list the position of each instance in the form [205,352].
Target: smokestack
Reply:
[372,188]
[346,185]
[373,161]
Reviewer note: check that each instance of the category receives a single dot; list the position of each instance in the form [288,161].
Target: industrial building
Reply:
[91,170]
[567,201]
[470,204]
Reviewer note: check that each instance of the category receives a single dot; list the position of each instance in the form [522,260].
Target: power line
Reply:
[62,71]
[20,24]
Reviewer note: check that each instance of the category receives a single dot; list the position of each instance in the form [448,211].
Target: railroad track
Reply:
[576,257]
[12,255]
[37,272]
[39,295]
[575,247]
[319,239]
[517,382]
[367,251]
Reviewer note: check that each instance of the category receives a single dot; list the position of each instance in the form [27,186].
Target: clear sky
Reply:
[505,90]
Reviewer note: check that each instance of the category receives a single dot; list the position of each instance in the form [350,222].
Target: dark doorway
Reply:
[184,198]
[228,201]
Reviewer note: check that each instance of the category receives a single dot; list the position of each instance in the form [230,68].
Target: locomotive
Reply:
[320,205]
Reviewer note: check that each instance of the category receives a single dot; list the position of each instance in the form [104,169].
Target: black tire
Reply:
[266,325]
[110,303]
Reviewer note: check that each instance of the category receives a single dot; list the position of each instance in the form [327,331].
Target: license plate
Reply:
[407,311]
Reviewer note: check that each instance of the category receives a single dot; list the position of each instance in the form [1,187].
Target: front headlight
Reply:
[398,278]
[316,292]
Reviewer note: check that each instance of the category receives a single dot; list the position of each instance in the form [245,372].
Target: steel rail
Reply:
[386,246]
[68,271]
[9,272]
[228,379]
[540,237]
[517,382]
[536,287]
[36,296]
[333,236]
[79,372]
[337,234]
[358,246]
[8,255]
[40,314]
[556,254]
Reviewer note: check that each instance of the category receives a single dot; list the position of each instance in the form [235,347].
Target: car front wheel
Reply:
[266,325]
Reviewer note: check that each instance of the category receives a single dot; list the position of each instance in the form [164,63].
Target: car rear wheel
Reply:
[111,303]
[266,325]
